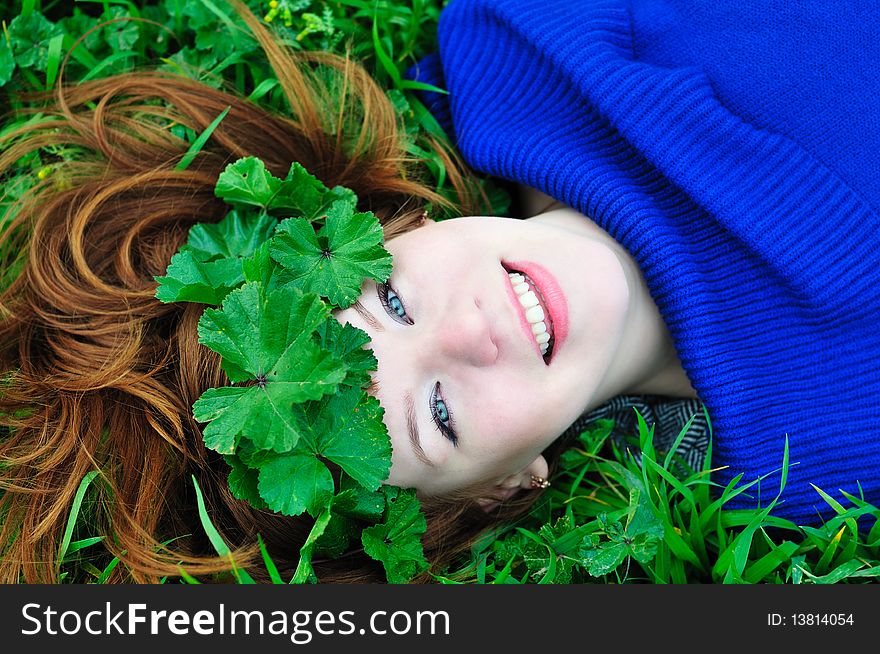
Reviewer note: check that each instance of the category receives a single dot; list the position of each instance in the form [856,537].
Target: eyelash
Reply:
[448,431]
[384,290]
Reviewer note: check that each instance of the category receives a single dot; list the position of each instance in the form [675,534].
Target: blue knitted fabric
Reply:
[734,149]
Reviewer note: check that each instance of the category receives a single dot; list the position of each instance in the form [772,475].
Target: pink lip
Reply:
[554,299]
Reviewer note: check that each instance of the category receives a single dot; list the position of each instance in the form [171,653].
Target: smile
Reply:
[541,306]
[536,313]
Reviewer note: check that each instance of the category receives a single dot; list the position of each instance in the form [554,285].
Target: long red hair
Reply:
[99,375]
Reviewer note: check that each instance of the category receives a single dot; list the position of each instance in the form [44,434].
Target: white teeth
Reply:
[535,314]
[528,300]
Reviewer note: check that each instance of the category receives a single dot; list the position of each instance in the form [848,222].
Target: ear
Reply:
[423,219]
[511,485]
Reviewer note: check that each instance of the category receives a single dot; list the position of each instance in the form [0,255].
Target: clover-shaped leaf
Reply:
[264,339]
[335,261]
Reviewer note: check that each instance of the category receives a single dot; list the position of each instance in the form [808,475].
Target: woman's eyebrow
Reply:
[370,319]
[413,428]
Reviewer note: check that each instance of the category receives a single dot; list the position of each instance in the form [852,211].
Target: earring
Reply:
[539,482]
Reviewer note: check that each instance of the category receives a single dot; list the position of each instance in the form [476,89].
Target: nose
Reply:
[464,333]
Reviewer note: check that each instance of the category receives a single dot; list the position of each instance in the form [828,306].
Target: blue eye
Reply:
[393,304]
[441,416]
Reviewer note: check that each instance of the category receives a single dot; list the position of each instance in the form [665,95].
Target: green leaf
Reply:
[348,430]
[267,339]
[7,61]
[348,344]
[242,482]
[396,542]
[602,559]
[239,234]
[210,264]
[247,181]
[190,280]
[356,501]
[334,261]
[30,37]
[302,194]
[304,571]
[77,25]
[352,504]
[641,518]
[122,35]
[258,332]
[295,482]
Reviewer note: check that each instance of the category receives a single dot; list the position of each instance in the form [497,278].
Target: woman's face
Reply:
[457,347]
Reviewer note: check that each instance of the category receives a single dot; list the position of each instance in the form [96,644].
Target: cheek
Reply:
[514,429]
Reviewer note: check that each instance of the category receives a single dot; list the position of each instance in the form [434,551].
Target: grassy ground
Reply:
[607,519]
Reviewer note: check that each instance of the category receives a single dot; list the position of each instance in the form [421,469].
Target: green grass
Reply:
[606,519]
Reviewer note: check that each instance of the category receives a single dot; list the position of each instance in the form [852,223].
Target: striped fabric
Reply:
[667,415]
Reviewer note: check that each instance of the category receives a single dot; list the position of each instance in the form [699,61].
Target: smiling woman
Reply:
[471,399]
[715,239]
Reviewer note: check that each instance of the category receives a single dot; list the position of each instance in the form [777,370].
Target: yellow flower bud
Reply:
[273,4]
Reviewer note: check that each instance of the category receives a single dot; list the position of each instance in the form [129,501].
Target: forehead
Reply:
[460,231]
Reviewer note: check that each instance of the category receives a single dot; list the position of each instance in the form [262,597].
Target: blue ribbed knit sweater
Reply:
[734,149]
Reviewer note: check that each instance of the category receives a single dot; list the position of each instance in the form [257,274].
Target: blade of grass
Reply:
[74,512]
[262,89]
[54,59]
[677,442]
[216,539]
[83,543]
[105,574]
[504,575]
[80,53]
[384,59]
[270,564]
[98,68]
[840,573]
[199,143]
[761,568]
[187,577]
[828,555]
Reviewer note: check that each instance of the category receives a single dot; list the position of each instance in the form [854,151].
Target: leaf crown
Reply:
[288,252]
